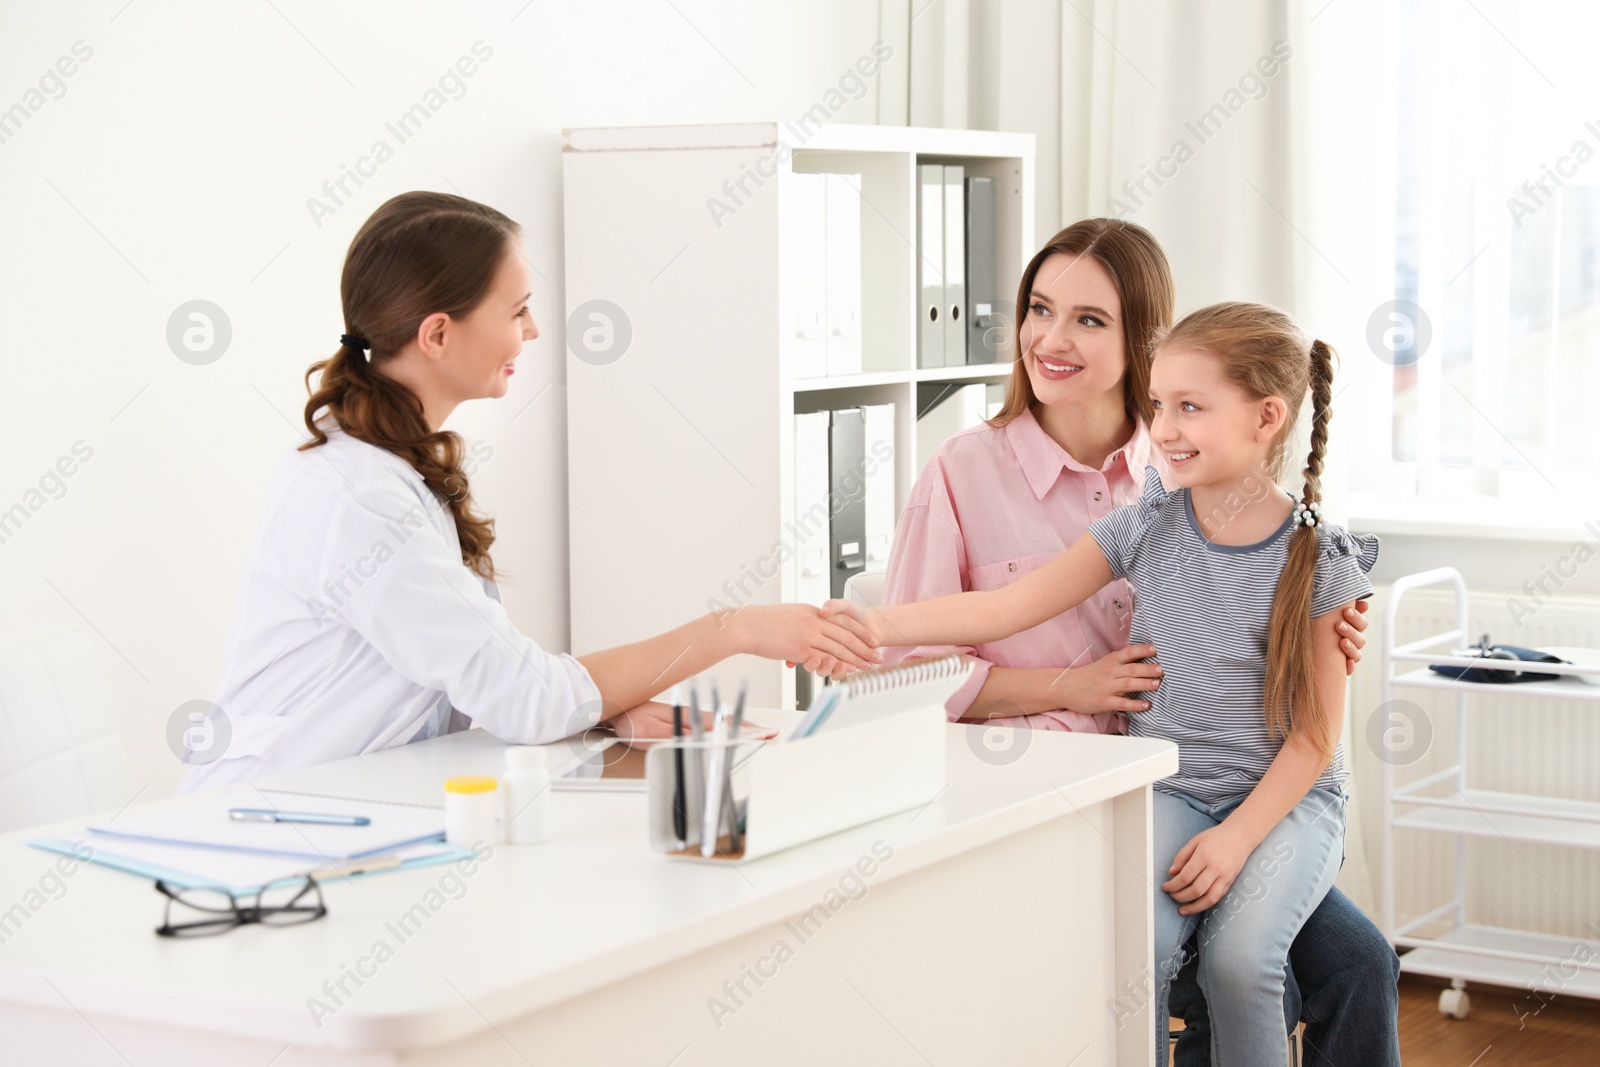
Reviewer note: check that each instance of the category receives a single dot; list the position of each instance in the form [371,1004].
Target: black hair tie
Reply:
[350,340]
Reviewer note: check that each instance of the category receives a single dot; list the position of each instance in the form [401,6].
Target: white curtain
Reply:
[1189,118]
[1155,110]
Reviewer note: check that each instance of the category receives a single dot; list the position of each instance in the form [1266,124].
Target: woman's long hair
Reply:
[419,254]
[1265,353]
[1139,270]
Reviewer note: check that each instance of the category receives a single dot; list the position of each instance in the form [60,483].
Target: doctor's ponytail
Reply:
[419,254]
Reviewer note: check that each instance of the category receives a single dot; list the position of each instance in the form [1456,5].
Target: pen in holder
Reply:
[715,796]
[790,792]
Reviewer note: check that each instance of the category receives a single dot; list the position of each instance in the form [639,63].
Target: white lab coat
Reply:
[357,619]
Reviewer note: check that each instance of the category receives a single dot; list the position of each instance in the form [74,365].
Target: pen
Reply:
[271,815]
[711,814]
[735,838]
[697,728]
[680,821]
[695,784]
[380,863]
[738,712]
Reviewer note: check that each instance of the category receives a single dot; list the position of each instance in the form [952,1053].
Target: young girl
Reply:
[1240,589]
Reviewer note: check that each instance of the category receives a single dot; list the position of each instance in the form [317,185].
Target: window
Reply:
[1485,117]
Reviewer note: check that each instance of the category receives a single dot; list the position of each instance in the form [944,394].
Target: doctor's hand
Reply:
[801,633]
[652,721]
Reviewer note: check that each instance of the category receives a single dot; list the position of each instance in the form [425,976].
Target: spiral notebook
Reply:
[885,691]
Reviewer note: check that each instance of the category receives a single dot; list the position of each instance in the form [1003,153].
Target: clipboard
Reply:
[242,874]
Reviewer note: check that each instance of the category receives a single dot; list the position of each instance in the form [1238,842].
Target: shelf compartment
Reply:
[850,381]
[1516,816]
[1569,688]
[1514,958]
[971,372]
[1437,650]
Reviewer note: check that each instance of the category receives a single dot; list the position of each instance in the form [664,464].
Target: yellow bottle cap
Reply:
[472,783]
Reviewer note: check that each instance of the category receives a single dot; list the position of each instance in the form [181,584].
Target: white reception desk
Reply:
[1007,921]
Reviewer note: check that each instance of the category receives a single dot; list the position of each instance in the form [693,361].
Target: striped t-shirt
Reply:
[1205,607]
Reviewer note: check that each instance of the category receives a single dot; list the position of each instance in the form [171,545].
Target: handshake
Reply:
[834,640]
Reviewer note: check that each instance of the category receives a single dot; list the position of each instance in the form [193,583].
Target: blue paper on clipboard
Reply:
[240,873]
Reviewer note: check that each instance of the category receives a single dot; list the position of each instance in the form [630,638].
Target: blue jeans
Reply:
[1344,984]
[1243,940]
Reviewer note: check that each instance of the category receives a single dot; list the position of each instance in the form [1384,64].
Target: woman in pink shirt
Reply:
[1008,496]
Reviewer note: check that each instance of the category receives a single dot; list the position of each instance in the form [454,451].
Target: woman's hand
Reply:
[1205,868]
[1352,639]
[1102,685]
[801,633]
[652,721]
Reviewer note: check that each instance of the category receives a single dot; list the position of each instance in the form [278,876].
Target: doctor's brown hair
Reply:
[1139,269]
[1263,353]
[419,254]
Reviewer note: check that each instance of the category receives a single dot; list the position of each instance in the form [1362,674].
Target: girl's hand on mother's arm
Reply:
[1352,639]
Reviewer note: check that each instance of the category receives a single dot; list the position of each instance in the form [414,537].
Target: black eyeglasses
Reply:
[202,912]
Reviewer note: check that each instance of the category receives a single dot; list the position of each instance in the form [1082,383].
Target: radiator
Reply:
[1515,743]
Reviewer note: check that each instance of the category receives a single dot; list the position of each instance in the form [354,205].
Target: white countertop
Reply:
[531,926]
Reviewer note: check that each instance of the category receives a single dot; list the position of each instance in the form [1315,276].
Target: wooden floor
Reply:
[1504,1027]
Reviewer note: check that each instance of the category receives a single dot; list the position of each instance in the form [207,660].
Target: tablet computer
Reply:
[602,763]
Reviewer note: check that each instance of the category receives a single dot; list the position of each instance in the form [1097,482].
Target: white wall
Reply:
[177,161]
[177,164]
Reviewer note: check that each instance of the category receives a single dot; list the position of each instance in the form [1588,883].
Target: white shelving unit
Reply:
[1446,802]
[681,449]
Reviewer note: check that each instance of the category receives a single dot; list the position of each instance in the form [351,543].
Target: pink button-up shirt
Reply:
[992,506]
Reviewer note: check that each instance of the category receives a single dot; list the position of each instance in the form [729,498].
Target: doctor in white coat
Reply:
[368,616]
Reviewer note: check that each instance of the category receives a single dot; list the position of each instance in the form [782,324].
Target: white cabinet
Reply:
[693,337]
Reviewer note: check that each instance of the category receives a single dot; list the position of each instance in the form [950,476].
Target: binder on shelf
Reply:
[847,533]
[985,323]
[955,267]
[881,751]
[811,522]
[843,241]
[804,222]
[880,510]
[930,265]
